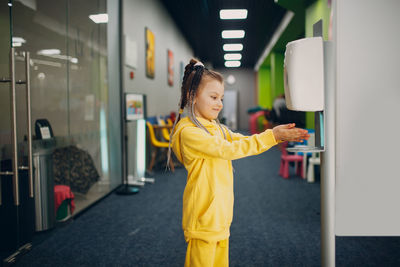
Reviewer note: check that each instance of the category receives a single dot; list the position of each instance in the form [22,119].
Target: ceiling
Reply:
[200,24]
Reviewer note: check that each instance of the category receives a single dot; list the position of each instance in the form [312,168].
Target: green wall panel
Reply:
[318,10]
[277,74]
[264,88]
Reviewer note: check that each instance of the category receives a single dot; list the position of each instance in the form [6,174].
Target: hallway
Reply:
[276,223]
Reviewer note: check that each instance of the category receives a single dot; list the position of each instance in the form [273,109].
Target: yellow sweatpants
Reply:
[200,253]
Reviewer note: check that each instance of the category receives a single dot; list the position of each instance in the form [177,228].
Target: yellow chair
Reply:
[157,145]
[166,131]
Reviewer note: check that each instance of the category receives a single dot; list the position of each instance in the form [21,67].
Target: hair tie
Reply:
[181,111]
[198,64]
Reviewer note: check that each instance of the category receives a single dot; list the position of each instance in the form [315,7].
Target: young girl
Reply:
[206,149]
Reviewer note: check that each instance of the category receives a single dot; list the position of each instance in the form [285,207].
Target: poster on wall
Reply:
[130,52]
[134,106]
[150,53]
[170,68]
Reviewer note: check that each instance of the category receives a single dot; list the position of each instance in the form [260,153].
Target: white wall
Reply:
[245,85]
[366,38]
[161,98]
[138,14]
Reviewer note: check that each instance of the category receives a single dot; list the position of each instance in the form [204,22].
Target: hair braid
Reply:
[182,102]
[184,88]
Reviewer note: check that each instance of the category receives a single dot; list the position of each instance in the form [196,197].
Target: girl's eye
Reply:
[214,97]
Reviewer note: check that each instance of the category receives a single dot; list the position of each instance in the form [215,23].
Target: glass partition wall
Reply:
[69,90]
[88,99]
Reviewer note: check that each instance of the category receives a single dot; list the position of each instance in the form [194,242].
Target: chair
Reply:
[310,142]
[170,122]
[157,145]
[314,160]
[253,120]
[63,198]
[165,131]
[286,159]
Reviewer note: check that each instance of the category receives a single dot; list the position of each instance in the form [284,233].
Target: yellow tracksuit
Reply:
[208,196]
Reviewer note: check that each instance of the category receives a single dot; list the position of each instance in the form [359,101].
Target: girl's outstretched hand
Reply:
[288,132]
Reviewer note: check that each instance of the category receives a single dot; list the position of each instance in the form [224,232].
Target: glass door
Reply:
[68,45]
[40,28]
[60,126]
[16,170]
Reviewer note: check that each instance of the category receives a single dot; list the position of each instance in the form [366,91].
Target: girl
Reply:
[206,149]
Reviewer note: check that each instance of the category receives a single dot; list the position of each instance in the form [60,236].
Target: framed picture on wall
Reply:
[170,67]
[150,53]
[135,106]
[131,52]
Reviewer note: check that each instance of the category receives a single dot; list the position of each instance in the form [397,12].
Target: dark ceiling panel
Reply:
[200,23]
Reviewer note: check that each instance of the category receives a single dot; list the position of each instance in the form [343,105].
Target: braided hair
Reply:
[195,73]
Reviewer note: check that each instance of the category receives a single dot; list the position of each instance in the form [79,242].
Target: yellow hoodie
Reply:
[208,196]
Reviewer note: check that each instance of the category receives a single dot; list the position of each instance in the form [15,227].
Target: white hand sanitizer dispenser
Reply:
[304,74]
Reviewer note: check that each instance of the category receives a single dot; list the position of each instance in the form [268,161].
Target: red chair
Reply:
[254,123]
[286,159]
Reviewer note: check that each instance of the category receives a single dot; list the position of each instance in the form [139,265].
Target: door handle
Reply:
[15,180]
[15,166]
[29,118]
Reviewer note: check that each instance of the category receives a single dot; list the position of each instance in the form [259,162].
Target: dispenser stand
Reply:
[139,177]
[127,188]
[134,111]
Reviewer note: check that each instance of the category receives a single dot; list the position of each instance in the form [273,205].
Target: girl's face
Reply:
[208,101]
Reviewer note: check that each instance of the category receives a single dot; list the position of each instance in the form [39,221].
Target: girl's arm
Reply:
[285,132]
[199,144]
[236,136]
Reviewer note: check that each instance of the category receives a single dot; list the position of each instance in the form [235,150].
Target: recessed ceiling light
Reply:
[232,34]
[99,18]
[233,13]
[233,56]
[232,47]
[18,40]
[49,52]
[232,63]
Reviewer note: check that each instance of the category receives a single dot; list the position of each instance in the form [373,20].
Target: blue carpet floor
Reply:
[276,223]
